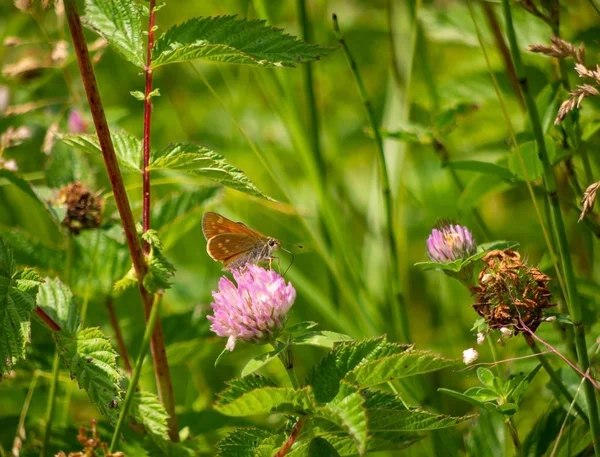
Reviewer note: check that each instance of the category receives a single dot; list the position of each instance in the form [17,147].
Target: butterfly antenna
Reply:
[291,263]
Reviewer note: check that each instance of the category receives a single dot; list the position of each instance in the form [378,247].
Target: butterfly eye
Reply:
[271,242]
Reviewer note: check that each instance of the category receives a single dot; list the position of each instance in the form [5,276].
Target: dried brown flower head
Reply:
[511,293]
[589,197]
[84,209]
[560,49]
[92,445]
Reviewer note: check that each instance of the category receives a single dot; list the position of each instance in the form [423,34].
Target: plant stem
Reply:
[514,434]
[147,124]
[596,5]
[396,304]
[20,435]
[51,404]
[555,378]
[137,371]
[559,228]
[47,319]
[114,322]
[161,367]
[292,438]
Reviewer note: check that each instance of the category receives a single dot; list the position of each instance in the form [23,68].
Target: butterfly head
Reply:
[273,244]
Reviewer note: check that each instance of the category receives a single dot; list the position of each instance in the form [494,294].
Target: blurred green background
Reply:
[257,116]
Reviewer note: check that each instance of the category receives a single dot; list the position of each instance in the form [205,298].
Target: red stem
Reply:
[292,439]
[119,335]
[147,123]
[157,344]
[47,319]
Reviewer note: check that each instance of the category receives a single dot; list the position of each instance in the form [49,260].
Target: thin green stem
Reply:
[396,304]
[573,298]
[556,379]
[596,5]
[287,359]
[514,434]
[137,371]
[51,404]
[20,435]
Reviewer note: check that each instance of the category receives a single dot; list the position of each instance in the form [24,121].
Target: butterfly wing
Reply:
[214,224]
[227,245]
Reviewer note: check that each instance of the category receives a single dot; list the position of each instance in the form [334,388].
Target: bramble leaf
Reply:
[243,442]
[127,147]
[92,361]
[200,161]
[119,22]
[233,40]
[18,290]
[146,409]
[57,301]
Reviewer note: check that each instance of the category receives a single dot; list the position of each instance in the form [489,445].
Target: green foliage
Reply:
[18,289]
[57,301]
[200,161]
[243,442]
[146,409]
[160,270]
[119,22]
[232,40]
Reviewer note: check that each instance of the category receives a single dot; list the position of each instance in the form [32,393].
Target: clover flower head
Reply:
[449,242]
[470,355]
[255,310]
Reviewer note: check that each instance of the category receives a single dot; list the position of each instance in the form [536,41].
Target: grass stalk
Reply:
[396,304]
[573,298]
[51,404]
[161,367]
[137,371]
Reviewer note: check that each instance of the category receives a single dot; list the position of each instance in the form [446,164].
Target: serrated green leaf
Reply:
[347,410]
[119,23]
[18,290]
[146,409]
[200,161]
[253,395]
[386,413]
[127,147]
[92,361]
[395,366]
[320,447]
[232,40]
[242,442]
[256,363]
[326,375]
[28,250]
[57,301]
[160,270]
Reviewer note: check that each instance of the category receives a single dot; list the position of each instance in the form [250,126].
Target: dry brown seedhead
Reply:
[84,209]
[589,197]
[560,49]
[511,293]
[92,445]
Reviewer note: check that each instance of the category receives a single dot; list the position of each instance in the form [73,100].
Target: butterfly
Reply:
[234,244]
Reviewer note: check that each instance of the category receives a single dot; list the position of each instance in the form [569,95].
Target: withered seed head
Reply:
[511,293]
[84,209]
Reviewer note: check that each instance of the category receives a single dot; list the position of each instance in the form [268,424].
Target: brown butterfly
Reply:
[235,244]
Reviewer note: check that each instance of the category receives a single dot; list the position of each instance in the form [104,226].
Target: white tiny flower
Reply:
[10,165]
[480,338]
[469,356]
[506,332]
[551,319]
[486,278]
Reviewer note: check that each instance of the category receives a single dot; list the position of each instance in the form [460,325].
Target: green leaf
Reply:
[320,338]
[24,186]
[242,442]
[127,147]
[138,95]
[347,410]
[486,168]
[119,23]
[326,375]
[200,161]
[232,40]
[301,327]
[92,361]
[486,377]
[160,270]
[531,159]
[386,412]
[18,290]
[395,366]
[254,395]
[57,301]
[320,447]
[260,361]
[28,250]
[146,409]
[463,397]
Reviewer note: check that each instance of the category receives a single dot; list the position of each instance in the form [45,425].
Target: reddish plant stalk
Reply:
[161,367]
[47,319]
[292,439]
[119,335]
[147,123]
